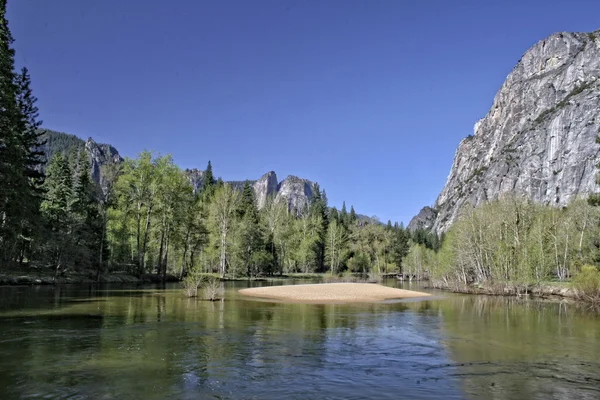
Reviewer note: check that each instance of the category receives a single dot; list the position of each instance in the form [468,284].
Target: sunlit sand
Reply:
[332,293]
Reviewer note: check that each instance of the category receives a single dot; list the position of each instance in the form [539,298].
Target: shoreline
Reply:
[539,291]
[46,280]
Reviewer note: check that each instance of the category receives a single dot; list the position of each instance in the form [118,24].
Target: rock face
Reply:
[423,220]
[100,154]
[296,192]
[265,187]
[196,178]
[538,139]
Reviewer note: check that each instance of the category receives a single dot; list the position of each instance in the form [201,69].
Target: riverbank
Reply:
[543,290]
[45,277]
[41,279]
[332,293]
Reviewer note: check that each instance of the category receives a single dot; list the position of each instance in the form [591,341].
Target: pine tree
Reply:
[208,183]
[334,215]
[248,202]
[400,247]
[13,184]
[83,193]
[56,207]
[318,211]
[344,215]
[352,218]
[87,223]
[31,137]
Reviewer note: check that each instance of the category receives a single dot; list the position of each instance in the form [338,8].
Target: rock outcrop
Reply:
[100,154]
[265,187]
[296,192]
[538,140]
[423,220]
[196,178]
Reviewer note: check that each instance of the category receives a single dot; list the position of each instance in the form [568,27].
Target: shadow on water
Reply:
[131,343]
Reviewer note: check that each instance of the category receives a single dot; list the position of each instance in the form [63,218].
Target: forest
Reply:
[146,218]
[512,245]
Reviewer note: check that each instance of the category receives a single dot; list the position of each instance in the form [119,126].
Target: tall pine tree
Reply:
[19,182]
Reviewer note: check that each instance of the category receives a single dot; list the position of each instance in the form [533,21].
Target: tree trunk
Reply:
[222,257]
[101,258]
[139,233]
[160,254]
[166,257]
[146,238]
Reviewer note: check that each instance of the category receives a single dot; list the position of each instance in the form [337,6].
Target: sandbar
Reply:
[331,293]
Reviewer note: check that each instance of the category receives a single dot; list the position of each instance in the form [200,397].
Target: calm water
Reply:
[115,343]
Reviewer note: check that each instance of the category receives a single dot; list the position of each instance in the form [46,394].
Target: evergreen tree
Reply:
[31,137]
[83,193]
[32,158]
[318,212]
[248,202]
[352,218]
[208,179]
[13,158]
[400,246]
[334,215]
[87,225]
[344,215]
[56,207]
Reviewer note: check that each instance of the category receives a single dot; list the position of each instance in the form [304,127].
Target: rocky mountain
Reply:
[296,192]
[538,139]
[423,220]
[99,153]
[265,187]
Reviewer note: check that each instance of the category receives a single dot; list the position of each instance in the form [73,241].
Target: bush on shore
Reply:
[587,284]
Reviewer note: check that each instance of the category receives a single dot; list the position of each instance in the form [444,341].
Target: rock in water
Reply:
[538,139]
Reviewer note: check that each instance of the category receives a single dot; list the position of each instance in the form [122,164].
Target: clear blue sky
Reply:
[369,98]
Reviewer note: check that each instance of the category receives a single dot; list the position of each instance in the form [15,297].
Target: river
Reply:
[83,342]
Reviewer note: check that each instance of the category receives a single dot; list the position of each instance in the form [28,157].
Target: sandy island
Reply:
[331,293]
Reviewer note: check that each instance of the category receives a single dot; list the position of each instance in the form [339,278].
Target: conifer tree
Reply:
[56,207]
[344,215]
[352,218]
[13,183]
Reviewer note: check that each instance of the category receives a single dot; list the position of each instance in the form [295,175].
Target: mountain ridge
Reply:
[538,139]
[295,190]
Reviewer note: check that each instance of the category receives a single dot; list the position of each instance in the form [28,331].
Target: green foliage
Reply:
[587,283]
[359,263]
[515,243]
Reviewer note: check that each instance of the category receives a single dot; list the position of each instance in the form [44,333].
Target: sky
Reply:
[368,98]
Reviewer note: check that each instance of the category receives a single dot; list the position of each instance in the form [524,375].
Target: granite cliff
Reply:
[538,140]
[100,154]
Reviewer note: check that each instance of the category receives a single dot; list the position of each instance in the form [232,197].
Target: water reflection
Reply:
[152,343]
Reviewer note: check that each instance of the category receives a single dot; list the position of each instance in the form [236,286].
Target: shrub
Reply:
[211,288]
[190,284]
[587,284]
